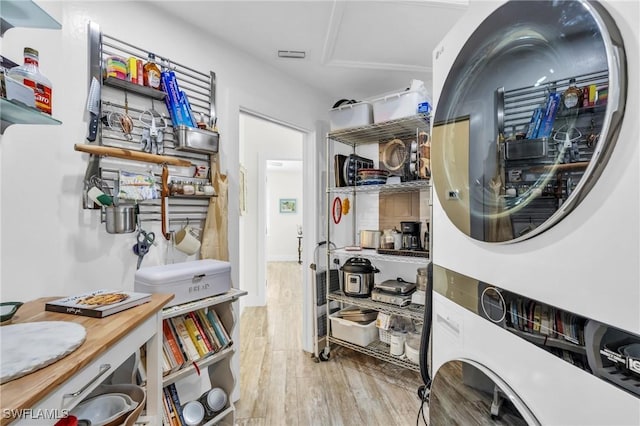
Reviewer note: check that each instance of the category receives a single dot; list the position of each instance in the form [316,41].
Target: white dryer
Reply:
[536,220]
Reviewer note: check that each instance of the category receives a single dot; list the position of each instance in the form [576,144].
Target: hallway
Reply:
[282,385]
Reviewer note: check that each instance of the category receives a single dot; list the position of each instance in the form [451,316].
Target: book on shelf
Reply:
[173,392]
[174,420]
[181,346]
[166,364]
[185,338]
[219,328]
[195,336]
[205,338]
[208,329]
[98,303]
[171,346]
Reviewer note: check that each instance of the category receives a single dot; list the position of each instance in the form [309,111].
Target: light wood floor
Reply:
[282,385]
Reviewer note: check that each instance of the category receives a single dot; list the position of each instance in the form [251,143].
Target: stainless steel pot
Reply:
[370,239]
[121,219]
[358,277]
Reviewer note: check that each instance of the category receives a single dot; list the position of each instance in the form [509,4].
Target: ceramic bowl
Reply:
[8,310]
[103,409]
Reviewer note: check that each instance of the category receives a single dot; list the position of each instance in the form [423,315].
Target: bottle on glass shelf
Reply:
[572,97]
[29,74]
[151,73]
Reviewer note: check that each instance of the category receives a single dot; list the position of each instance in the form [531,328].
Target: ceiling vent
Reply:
[292,54]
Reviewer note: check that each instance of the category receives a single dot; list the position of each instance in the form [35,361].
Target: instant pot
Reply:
[358,277]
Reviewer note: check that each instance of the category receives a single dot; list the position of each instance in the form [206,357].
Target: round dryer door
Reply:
[464,392]
[528,117]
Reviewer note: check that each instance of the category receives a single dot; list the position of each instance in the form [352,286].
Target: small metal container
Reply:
[196,140]
[370,239]
[121,219]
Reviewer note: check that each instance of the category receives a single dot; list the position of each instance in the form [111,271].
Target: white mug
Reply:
[186,240]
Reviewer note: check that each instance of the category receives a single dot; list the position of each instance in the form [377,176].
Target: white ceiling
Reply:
[354,49]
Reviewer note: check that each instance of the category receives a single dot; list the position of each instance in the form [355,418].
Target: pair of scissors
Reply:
[145,240]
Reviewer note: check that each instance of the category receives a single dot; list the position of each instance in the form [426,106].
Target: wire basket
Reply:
[321,287]
[385,336]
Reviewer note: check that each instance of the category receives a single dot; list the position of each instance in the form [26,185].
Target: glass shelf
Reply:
[26,14]
[16,113]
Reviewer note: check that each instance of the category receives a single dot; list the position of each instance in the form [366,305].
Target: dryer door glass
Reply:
[528,117]
[465,393]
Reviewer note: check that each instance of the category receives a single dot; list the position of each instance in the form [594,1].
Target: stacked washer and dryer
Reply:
[536,219]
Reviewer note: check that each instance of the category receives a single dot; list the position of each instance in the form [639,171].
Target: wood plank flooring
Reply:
[280,384]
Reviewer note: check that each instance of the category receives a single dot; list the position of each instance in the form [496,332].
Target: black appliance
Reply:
[411,235]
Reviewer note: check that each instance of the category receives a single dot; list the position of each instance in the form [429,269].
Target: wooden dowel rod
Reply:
[128,154]
[560,167]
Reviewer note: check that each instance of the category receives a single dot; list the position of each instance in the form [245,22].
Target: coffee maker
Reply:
[411,235]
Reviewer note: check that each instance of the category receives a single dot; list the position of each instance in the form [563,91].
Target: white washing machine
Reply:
[536,220]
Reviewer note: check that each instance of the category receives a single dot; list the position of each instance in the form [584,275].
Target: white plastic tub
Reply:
[353,332]
[350,115]
[396,105]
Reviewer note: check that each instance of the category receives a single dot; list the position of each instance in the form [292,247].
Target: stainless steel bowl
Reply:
[121,219]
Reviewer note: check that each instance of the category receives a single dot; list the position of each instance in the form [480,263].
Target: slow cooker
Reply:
[357,277]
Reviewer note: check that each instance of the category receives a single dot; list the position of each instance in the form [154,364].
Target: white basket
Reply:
[350,115]
[359,334]
[385,336]
[397,105]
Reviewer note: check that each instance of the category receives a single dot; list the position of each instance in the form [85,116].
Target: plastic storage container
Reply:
[187,280]
[356,333]
[350,115]
[396,105]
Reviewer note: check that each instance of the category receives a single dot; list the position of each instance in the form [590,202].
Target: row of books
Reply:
[190,337]
[172,409]
[538,318]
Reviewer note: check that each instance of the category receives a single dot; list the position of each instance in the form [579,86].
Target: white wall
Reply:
[282,228]
[50,245]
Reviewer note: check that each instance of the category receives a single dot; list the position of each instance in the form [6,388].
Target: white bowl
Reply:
[104,408]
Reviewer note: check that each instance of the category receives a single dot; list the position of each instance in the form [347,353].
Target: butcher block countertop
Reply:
[102,333]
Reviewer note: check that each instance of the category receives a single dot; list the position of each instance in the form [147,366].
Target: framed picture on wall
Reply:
[287,205]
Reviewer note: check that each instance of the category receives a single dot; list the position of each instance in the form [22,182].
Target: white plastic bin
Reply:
[353,332]
[396,105]
[350,115]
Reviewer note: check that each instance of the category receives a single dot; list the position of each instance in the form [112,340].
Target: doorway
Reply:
[271,215]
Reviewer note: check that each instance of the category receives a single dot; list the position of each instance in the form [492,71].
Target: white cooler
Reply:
[187,280]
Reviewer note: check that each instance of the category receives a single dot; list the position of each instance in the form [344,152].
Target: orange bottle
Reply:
[151,73]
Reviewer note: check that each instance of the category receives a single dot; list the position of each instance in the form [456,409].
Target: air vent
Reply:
[293,54]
